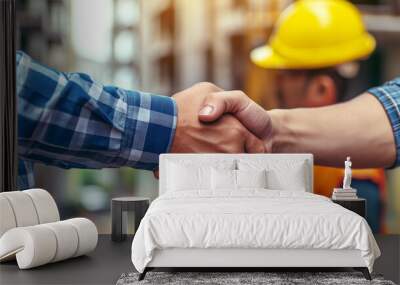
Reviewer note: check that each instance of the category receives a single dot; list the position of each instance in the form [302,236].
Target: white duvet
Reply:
[250,219]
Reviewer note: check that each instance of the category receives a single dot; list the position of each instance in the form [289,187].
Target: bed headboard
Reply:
[209,158]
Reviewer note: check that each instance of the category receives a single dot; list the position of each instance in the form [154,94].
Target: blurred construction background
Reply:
[164,46]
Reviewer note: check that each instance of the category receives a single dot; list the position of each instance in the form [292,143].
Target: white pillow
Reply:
[223,179]
[251,178]
[183,177]
[283,174]
[235,179]
[292,179]
[193,175]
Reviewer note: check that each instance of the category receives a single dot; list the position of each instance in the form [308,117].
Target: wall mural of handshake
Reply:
[32,233]
[69,120]
[82,123]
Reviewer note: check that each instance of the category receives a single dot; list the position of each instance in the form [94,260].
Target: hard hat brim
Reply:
[268,56]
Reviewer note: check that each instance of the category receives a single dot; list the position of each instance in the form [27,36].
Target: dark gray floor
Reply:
[110,260]
[389,262]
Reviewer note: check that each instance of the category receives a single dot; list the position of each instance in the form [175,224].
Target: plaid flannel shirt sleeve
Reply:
[68,120]
[389,96]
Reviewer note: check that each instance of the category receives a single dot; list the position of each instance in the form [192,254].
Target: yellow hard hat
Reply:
[315,34]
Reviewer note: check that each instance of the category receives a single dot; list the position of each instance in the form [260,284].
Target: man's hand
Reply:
[358,128]
[251,115]
[226,134]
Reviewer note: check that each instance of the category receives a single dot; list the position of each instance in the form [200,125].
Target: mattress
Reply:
[250,218]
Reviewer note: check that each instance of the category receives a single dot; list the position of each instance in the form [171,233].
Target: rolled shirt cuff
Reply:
[389,96]
[149,129]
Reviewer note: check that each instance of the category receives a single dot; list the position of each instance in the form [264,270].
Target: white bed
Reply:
[195,224]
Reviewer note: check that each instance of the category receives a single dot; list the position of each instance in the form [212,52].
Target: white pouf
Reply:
[23,208]
[40,244]
[7,218]
[45,205]
[31,230]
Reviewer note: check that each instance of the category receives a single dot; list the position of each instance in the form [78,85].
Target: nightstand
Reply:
[358,205]
[120,207]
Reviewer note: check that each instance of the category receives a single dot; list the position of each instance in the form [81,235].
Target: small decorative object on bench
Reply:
[345,193]
[119,207]
[31,231]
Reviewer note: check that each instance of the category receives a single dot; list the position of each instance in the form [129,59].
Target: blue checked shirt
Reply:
[70,121]
[389,96]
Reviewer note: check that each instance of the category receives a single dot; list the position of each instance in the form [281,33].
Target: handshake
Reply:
[213,120]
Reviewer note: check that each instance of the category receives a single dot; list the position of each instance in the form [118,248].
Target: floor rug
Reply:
[230,278]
